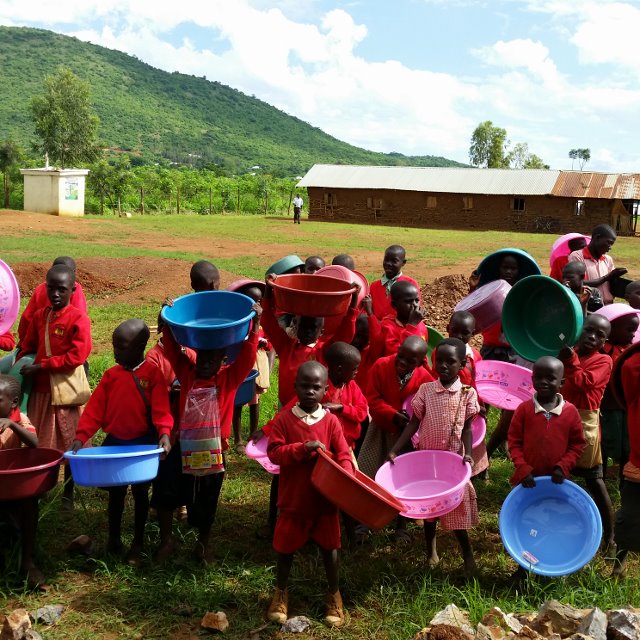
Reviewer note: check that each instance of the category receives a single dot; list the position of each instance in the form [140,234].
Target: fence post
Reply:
[142,200]
[178,199]
[210,200]
[238,201]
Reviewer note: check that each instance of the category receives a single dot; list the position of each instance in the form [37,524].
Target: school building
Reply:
[468,198]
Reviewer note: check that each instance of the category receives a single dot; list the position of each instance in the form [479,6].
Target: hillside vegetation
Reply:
[157,116]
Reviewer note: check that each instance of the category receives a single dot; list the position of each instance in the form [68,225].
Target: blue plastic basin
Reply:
[552,529]
[114,466]
[210,319]
[489,268]
[247,389]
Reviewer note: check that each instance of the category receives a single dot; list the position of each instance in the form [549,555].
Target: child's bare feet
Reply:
[279,607]
[34,577]
[433,559]
[203,554]
[334,613]
[166,549]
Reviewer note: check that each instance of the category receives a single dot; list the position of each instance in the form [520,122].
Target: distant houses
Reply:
[465,198]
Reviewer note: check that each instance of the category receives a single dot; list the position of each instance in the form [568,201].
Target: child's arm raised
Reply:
[25,435]
[241,368]
[595,375]
[274,332]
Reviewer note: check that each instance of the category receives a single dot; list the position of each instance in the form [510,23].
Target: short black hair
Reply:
[344,260]
[401,287]
[604,230]
[457,344]
[339,353]
[462,316]
[65,260]
[62,270]
[312,365]
[10,385]
[396,248]
[205,269]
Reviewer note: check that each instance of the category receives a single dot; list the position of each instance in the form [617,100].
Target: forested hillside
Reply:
[155,116]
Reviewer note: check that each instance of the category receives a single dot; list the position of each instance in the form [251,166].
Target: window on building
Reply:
[376,205]
[330,200]
[580,207]
[467,202]
[432,202]
[517,204]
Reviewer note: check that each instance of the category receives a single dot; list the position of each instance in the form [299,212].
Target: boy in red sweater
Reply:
[204,276]
[296,435]
[587,374]
[394,259]
[60,336]
[131,405]
[202,368]
[7,341]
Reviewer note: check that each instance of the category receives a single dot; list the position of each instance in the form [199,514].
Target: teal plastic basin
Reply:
[539,316]
[489,268]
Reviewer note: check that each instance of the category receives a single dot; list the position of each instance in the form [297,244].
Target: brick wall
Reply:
[447,211]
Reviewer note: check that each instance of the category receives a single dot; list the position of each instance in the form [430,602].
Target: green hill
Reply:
[155,115]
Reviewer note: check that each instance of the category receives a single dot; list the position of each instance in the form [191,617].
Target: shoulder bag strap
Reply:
[152,430]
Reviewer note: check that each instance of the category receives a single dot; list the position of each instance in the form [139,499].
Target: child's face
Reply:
[361,335]
[509,269]
[312,265]
[595,332]
[601,244]
[448,364]
[208,362]
[255,293]
[308,329]
[7,403]
[405,303]
[623,330]
[59,290]
[632,296]
[392,263]
[546,380]
[344,372]
[310,386]
[462,328]
[407,359]
[573,279]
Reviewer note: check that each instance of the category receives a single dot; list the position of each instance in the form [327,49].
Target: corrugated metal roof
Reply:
[582,184]
[433,179]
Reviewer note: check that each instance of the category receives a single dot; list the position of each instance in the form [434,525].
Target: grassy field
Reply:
[389,591]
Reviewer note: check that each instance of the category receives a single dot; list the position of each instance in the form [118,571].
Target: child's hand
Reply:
[76,445]
[528,482]
[391,457]
[566,353]
[332,407]
[165,443]
[354,295]
[258,309]
[467,458]
[618,272]
[30,369]
[313,445]
[367,305]
[401,419]
[557,476]
[167,302]
[257,434]
[416,316]
[5,423]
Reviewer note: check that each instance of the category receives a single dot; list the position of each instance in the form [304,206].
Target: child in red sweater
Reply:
[60,336]
[15,431]
[204,276]
[296,435]
[131,405]
[7,341]
[587,374]
[313,264]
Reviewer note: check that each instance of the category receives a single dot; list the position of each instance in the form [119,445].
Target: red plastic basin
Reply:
[27,472]
[357,495]
[312,295]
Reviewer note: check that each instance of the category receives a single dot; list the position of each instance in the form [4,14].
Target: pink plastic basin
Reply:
[258,451]
[618,310]
[560,247]
[478,425]
[9,297]
[485,303]
[503,384]
[428,483]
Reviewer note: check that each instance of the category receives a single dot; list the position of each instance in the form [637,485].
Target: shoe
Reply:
[334,614]
[279,606]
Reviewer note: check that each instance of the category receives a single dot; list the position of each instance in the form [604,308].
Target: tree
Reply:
[65,121]
[582,155]
[10,155]
[488,146]
[533,161]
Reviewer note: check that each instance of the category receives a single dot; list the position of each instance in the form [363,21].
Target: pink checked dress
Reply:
[442,413]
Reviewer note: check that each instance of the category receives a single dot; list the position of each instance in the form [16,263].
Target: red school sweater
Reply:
[116,405]
[384,394]
[631,386]
[296,495]
[70,339]
[227,380]
[538,444]
[585,379]
[7,341]
[394,333]
[381,300]
[292,353]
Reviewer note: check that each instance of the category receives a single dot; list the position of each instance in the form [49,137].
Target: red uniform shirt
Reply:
[296,495]
[394,333]
[614,351]
[40,300]
[7,341]
[116,405]
[70,339]
[227,380]
[384,394]
[493,336]
[381,300]
[630,375]
[585,379]
[156,356]
[557,267]
[355,408]
[540,441]
[467,374]
[292,353]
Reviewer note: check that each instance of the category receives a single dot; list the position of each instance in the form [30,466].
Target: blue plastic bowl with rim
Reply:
[246,390]
[551,529]
[489,268]
[210,319]
[114,466]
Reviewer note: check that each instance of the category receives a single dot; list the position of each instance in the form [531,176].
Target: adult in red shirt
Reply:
[394,259]
[39,299]
[587,374]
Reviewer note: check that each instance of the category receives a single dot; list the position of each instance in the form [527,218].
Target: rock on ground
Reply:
[215,622]
[47,615]
[497,617]
[594,625]
[454,617]
[15,625]
[443,632]
[555,617]
[623,625]
[297,624]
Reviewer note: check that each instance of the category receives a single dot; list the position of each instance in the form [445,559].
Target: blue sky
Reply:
[414,76]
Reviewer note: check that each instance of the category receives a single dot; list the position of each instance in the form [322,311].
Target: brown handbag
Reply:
[68,388]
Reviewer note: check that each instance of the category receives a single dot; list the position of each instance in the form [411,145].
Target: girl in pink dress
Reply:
[442,415]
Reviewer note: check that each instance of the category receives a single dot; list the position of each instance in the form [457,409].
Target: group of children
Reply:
[361,391]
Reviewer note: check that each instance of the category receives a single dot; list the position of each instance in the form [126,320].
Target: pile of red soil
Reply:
[441,296]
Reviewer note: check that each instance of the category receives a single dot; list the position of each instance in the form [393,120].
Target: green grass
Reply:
[389,591]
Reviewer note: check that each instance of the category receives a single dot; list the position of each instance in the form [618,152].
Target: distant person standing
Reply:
[297,208]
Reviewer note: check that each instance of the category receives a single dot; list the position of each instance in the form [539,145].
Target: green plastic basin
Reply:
[539,316]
